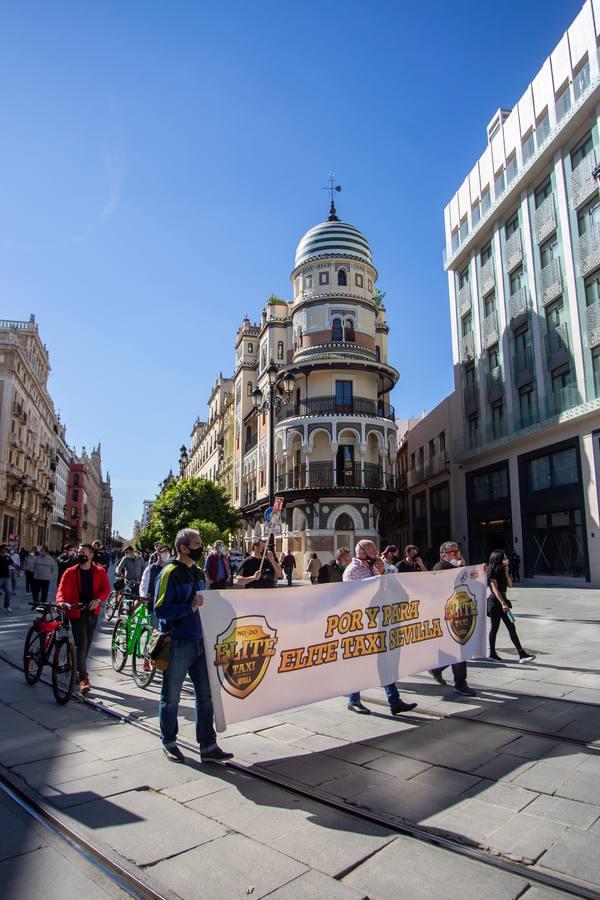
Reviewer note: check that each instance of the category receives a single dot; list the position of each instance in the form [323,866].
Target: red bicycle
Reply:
[49,642]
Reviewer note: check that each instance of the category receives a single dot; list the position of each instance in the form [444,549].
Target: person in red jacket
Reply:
[82,589]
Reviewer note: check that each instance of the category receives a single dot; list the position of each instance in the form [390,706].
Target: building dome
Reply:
[333,238]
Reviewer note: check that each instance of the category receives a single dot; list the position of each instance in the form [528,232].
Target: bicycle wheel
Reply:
[64,669]
[118,645]
[143,672]
[110,607]
[33,656]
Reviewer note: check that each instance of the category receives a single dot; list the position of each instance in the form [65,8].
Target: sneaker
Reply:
[215,755]
[465,690]
[84,686]
[174,754]
[527,657]
[437,676]
[8,609]
[398,708]
[359,708]
[495,657]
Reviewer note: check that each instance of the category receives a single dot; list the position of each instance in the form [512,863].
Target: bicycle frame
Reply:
[133,626]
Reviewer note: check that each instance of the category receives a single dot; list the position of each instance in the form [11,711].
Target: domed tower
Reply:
[335,442]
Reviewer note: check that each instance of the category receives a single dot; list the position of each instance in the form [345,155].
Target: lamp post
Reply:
[183,460]
[47,505]
[21,488]
[279,394]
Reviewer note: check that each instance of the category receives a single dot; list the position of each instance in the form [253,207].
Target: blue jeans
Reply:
[391,692]
[5,586]
[187,658]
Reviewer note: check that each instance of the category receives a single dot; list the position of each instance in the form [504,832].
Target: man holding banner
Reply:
[362,566]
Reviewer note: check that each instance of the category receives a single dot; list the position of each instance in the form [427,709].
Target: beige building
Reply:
[211,449]
[28,435]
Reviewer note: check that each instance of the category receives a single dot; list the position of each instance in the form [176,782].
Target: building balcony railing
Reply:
[467,347]
[583,183]
[551,281]
[250,443]
[589,250]
[495,384]
[557,346]
[464,299]
[471,399]
[249,497]
[513,252]
[429,469]
[518,307]
[562,399]
[490,330]
[334,406]
[592,324]
[324,476]
[523,367]
[336,347]
[495,430]
[487,277]
[545,219]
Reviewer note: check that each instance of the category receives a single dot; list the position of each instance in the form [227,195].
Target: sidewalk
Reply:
[199,829]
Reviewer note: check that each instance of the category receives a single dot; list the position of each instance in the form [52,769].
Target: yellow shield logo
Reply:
[243,653]
[461,614]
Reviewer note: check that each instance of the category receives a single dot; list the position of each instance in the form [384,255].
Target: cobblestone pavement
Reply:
[514,770]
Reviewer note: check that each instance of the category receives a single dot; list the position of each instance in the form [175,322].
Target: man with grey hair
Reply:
[334,570]
[452,558]
[177,602]
[364,566]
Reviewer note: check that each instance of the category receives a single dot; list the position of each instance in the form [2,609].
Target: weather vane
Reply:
[332,188]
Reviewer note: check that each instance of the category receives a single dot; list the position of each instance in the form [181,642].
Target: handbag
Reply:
[159,650]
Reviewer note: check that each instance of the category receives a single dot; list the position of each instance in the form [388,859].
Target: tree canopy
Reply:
[188,503]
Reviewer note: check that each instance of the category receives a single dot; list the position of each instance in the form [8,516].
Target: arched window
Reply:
[377,353]
[349,330]
[344,523]
[342,278]
[337,332]
[279,349]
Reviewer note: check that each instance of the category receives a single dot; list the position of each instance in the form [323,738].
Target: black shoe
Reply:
[398,708]
[495,657]
[465,689]
[525,657]
[216,755]
[359,708]
[437,676]
[174,754]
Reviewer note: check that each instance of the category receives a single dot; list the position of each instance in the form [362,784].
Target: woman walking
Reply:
[499,606]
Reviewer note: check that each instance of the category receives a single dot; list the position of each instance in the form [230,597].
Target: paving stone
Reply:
[314,884]
[25,747]
[576,854]
[584,786]
[45,873]
[145,826]
[500,793]
[409,869]
[18,835]
[407,800]
[567,812]
[355,784]
[530,746]
[289,734]
[543,778]
[453,782]
[472,818]
[543,893]
[359,754]
[63,769]
[202,785]
[590,764]
[503,767]
[233,866]
[525,837]
[314,769]
[119,743]
[253,748]
[316,743]
[403,767]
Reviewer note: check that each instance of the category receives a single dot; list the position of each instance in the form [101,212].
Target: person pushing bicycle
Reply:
[82,590]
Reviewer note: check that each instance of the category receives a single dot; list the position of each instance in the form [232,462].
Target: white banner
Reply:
[270,650]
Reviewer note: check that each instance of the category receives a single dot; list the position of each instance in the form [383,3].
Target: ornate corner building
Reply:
[334,438]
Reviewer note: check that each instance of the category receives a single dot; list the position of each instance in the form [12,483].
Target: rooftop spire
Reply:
[332,188]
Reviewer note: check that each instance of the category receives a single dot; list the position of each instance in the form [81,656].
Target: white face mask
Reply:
[454,562]
[164,557]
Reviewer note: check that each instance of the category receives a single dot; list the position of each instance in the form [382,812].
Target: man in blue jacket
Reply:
[177,601]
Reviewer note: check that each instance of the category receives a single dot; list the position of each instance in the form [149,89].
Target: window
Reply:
[561,388]
[323,277]
[475,214]
[378,353]
[308,281]
[76,478]
[581,81]
[440,499]
[592,289]
[486,253]
[470,376]
[549,251]
[467,324]
[555,470]
[542,130]
[473,428]
[349,330]
[337,333]
[431,448]
[342,278]
[583,149]
[528,148]
[412,460]
[489,304]
[511,169]
[511,226]
[486,201]
[343,396]
[358,280]
[75,494]
[588,219]
[522,340]
[498,484]
[250,348]
[515,280]
[442,441]
[563,104]
[464,230]
[455,241]
[526,406]
[542,192]
[370,284]
[279,349]
[499,184]
[493,358]
[297,285]
[463,278]
[497,420]
[596,370]
[554,314]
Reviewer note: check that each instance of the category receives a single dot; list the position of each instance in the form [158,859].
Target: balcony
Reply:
[494,384]
[589,250]
[249,498]
[527,418]
[545,219]
[583,183]
[513,252]
[322,476]
[562,399]
[592,324]
[333,406]
[487,277]
[551,281]
[250,443]
[464,299]
[490,330]
[494,431]
[523,366]
[557,346]
[471,399]
[434,466]
[518,307]
[467,347]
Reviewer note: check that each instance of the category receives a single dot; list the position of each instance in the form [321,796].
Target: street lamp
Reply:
[279,394]
[21,488]
[47,506]
[183,460]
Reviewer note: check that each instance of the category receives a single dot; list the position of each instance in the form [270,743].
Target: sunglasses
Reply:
[453,553]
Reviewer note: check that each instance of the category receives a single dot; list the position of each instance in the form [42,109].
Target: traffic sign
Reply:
[268,514]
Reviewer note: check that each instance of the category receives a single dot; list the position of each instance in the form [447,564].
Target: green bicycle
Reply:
[130,637]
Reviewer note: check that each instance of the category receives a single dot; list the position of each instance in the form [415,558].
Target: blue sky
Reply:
[160,162]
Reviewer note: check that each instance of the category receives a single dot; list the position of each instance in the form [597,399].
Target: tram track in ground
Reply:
[450,842]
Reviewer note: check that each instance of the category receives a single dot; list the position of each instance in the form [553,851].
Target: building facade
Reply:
[332,449]
[62,462]
[28,430]
[211,447]
[523,261]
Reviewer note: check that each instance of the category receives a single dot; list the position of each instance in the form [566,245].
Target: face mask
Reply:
[196,553]
[454,562]
[82,558]
[370,559]
[164,557]
[219,548]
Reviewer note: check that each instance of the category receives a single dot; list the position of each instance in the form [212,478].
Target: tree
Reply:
[210,532]
[188,500]
[145,541]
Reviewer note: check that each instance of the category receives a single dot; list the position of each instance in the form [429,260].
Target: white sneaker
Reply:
[529,658]
[8,609]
